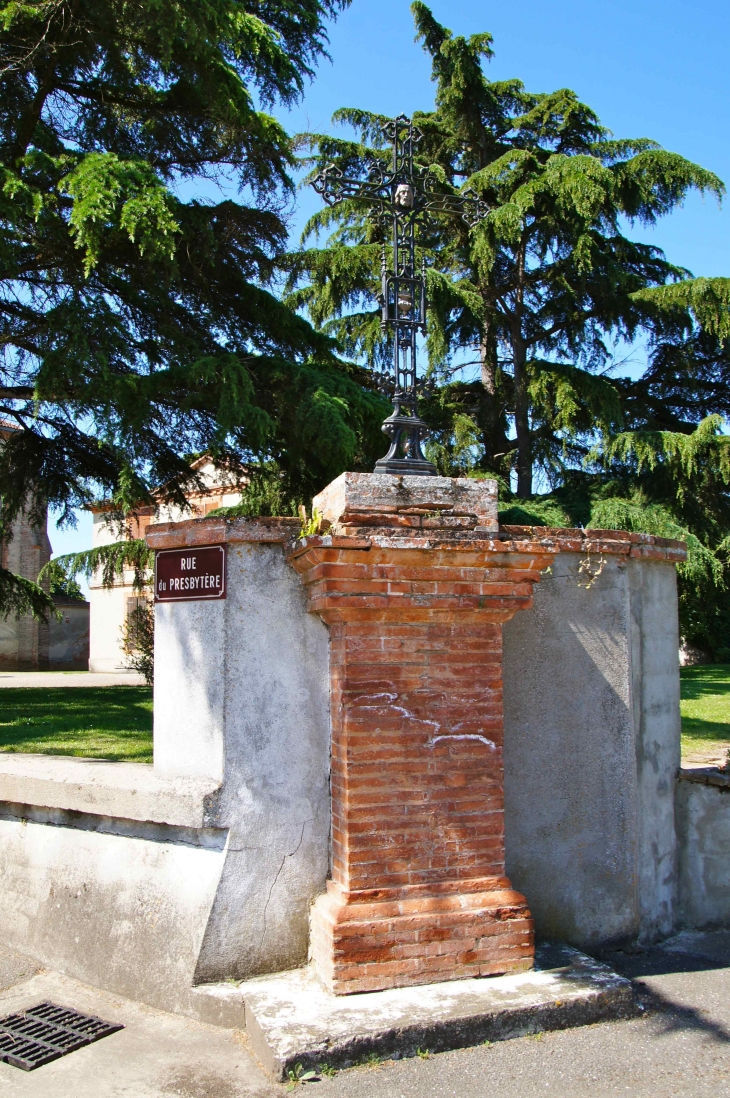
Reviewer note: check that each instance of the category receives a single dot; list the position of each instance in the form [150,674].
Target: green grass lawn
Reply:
[95,722]
[705,708]
[115,722]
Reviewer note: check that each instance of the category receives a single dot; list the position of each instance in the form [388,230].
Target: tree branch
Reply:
[31,117]
[16,392]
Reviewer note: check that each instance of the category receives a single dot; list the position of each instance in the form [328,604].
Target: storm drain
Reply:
[43,1033]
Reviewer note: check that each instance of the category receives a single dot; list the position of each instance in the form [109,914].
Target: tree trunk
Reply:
[45,81]
[522,420]
[490,417]
[522,397]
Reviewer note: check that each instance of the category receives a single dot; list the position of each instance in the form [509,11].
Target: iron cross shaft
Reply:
[399,198]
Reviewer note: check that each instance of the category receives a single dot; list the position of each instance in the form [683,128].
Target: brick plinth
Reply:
[418,892]
[361,945]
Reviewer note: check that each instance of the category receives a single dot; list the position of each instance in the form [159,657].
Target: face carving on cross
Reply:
[403,197]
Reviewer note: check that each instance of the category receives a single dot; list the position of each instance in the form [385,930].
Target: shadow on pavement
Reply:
[687,952]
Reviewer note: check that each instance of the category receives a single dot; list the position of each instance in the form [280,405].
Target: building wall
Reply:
[110,606]
[591,701]
[108,612]
[68,639]
[24,641]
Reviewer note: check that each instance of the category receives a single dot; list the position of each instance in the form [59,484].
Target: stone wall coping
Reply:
[610,542]
[387,540]
[129,791]
[283,530]
[705,775]
[220,531]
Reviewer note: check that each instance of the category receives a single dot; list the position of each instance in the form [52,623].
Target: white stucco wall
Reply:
[592,728]
[107,614]
[122,906]
[107,609]
[242,696]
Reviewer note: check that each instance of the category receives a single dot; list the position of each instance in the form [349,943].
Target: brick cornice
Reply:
[349,579]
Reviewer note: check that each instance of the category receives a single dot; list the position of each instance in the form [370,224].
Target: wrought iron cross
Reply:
[401,197]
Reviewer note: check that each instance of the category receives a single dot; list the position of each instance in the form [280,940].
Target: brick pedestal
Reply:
[418,892]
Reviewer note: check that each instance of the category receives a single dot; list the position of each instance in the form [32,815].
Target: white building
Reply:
[110,607]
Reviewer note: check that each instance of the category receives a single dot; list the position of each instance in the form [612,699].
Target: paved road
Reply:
[681,1046]
[42,679]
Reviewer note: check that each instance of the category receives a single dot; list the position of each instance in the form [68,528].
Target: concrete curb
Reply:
[293,1020]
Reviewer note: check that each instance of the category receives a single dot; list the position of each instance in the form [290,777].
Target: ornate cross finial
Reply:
[399,197]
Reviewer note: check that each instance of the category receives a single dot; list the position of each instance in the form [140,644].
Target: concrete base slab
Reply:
[15,967]
[292,1019]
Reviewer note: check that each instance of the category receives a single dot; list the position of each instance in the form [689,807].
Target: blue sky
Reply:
[648,68]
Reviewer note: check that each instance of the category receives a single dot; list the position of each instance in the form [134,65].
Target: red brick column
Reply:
[418,892]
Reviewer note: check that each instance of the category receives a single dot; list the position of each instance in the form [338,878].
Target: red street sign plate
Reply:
[188,575]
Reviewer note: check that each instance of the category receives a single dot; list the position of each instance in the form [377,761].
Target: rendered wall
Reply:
[68,639]
[108,612]
[703,831]
[591,702]
[117,904]
[152,879]
[242,696]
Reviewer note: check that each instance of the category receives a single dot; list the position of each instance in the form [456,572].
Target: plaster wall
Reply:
[149,880]
[117,904]
[108,606]
[657,724]
[68,639]
[108,611]
[591,709]
[703,828]
[243,696]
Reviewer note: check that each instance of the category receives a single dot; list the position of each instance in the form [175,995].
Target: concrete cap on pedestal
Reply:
[362,494]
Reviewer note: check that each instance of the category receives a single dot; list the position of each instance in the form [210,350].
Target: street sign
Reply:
[190,575]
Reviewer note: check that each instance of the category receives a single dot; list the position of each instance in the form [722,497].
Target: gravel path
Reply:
[42,679]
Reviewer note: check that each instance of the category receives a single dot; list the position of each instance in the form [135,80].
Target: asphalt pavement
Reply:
[679,1046]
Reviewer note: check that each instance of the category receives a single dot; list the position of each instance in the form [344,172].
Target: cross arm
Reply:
[334,186]
[469,204]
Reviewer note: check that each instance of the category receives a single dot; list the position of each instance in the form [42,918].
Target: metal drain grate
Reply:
[44,1032]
